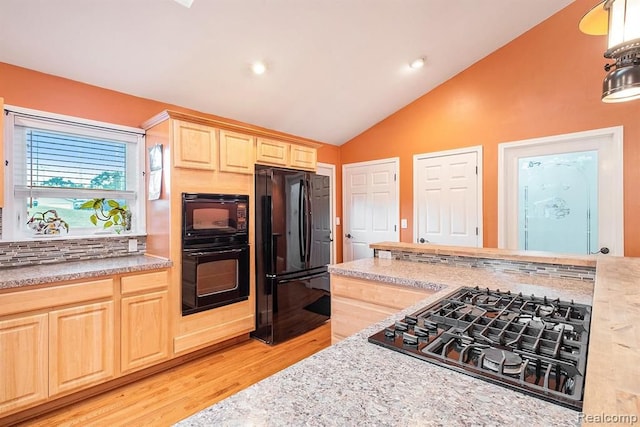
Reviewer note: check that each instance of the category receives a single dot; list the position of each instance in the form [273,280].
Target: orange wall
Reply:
[546,82]
[31,89]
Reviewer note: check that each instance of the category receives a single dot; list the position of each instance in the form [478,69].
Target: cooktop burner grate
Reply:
[532,344]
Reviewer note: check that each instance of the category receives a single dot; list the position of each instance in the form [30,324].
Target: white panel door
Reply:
[446,199]
[370,206]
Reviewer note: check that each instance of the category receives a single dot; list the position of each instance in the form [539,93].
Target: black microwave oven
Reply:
[214,215]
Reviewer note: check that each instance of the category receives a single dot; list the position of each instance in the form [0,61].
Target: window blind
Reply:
[56,157]
[72,161]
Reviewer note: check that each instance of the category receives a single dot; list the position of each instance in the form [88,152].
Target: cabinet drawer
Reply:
[37,299]
[144,282]
[377,293]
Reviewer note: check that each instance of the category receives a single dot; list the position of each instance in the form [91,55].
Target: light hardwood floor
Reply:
[170,396]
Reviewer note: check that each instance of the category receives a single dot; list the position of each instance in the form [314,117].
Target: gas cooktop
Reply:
[532,344]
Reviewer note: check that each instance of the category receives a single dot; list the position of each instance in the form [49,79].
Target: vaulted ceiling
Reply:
[334,67]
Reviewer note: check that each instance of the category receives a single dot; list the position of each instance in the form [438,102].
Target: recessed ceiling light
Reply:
[417,63]
[258,68]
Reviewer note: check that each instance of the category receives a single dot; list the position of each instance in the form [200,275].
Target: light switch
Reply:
[403,223]
[337,220]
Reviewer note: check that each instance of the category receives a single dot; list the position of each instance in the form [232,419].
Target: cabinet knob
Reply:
[422,240]
[348,235]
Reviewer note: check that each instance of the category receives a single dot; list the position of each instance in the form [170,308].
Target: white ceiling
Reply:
[335,67]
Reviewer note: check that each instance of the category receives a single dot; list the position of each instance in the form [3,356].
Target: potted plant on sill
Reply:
[110,212]
[48,223]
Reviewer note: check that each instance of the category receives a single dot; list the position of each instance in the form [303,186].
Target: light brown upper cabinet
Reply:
[272,152]
[302,157]
[195,146]
[236,152]
[279,153]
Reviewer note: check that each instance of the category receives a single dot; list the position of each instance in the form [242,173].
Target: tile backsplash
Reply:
[577,272]
[14,254]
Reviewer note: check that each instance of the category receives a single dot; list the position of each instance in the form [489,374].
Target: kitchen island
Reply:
[355,382]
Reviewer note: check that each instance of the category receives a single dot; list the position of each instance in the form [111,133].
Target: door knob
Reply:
[348,235]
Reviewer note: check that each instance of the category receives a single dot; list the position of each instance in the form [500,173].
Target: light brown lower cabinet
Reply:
[60,339]
[358,303]
[81,347]
[24,373]
[144,324]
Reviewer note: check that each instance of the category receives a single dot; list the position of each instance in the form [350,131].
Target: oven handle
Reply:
[227,251]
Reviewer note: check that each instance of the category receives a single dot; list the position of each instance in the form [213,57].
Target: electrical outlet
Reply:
[133,245]
[403,223]
[384,254]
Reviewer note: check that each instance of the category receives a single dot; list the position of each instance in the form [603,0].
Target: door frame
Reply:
[331,169]
[473,149]
[613,149]
[345,166]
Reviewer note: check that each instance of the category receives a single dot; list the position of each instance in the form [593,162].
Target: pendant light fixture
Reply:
[620,19]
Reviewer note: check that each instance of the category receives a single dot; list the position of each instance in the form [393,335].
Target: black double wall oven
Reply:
[215,251]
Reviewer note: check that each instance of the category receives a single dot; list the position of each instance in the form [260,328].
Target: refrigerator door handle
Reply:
[309,239]
[301,223]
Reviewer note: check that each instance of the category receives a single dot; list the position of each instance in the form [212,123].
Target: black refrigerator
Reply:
[292,242]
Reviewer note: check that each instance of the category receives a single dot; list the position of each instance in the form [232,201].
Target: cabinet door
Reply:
[23,361]
[272,152]
[194,146]
[81,347]
[303,157]
[145,322]
[236,152]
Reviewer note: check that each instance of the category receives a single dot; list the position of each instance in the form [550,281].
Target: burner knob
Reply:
[410,320]
[432,327]
[409,339]
[401,326]
[420,332]
[390,333]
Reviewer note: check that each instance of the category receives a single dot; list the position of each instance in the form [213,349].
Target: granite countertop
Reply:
[20,277]
[439,276]
[358,383]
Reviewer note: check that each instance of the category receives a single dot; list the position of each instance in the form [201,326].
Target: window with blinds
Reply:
[60,165]
[74,161]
